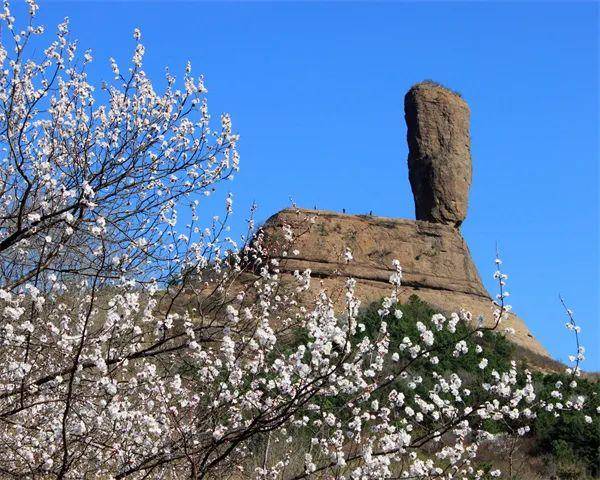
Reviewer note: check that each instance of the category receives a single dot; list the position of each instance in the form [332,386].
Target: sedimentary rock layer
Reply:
[435,260]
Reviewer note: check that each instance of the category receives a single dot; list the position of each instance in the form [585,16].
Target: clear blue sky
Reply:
[316,92]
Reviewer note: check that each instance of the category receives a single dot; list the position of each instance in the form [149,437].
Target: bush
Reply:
[568,437]
[573,444]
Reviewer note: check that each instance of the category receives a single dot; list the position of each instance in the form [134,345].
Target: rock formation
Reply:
[435,259]
[439,158]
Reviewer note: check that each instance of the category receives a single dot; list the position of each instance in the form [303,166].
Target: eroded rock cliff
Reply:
[435,259]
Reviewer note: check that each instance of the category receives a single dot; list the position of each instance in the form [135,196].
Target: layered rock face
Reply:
[435,259]
[439,158]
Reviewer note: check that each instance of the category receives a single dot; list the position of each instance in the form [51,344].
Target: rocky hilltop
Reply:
[435,259]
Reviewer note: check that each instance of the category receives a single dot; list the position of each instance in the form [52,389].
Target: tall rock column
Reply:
[439,152]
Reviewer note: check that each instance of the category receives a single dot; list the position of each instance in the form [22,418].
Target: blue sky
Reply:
[316,92]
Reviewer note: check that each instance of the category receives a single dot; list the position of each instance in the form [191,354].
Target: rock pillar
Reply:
[439,158]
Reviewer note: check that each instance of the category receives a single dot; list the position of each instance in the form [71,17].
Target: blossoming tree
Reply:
[135,346]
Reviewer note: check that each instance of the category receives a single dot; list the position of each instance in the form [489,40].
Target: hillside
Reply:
[435,259]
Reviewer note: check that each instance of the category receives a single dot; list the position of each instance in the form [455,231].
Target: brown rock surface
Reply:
[439,158]
[435,261]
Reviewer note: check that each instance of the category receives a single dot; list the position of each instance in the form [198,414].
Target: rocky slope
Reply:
[435,259]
